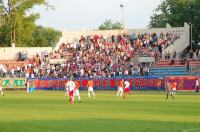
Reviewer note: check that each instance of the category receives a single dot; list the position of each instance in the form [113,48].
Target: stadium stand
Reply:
[108,54]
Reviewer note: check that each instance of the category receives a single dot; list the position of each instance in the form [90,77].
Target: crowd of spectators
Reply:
[22,56]
[97,56]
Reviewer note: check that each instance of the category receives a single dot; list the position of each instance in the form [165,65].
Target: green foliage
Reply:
[109,25]
[45,37]
[176,12]
[5,37]
[18,24]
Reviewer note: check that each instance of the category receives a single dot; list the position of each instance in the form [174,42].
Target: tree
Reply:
[18,24]
[176,12]
[109,25]
[45,37]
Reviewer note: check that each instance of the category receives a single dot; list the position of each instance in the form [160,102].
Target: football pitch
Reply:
[144,111]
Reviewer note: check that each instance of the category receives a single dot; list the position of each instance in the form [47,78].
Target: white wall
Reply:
[182,43]
[10,53]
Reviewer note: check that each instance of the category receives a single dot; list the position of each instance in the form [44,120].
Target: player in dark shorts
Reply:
[169,91]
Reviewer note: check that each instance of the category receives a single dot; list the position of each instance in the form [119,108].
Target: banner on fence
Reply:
[50,83]
[13,83]
[184,83]
[137,83]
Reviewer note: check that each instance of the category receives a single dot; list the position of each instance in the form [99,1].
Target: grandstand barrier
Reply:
[184,83]
[137,83]
[57,61]
[146,59]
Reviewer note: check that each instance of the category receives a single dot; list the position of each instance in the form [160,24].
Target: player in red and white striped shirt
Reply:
[127,89]
[71,86]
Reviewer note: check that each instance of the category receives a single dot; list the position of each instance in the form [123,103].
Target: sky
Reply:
[90,14]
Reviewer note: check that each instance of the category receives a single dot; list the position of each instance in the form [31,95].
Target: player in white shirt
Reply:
[1,88]
[169,91]
[71,86]
[120,88]
[197,85]
[66,89]
[76,91]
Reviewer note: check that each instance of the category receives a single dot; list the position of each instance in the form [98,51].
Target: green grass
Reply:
[49,111]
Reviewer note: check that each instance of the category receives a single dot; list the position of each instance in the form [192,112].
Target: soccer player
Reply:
[66,89]
[90,87]
[1,88]
[168,89]
[32,86]
[197,85]
[120,88]
[127,89]
[27,86]
[71,86]
[76,91]
[174,84]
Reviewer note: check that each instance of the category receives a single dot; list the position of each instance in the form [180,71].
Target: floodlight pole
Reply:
[191,47]
[122,6]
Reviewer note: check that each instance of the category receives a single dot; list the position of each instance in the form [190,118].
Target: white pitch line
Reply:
[190,130]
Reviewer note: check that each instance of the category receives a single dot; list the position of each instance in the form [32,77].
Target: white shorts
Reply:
[174,89]
[1,88]
[76,93]
[90,89]
[120,89]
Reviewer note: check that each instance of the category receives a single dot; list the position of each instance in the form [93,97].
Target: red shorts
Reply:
[71,93]
[127,90]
